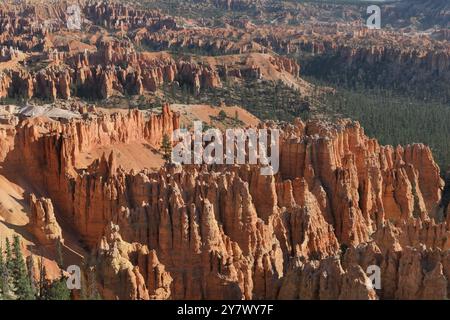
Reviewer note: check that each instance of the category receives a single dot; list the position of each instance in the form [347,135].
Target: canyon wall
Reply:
[340,203]
[114,69]
[368,58]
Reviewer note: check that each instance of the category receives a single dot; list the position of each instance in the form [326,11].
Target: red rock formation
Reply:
[88,75]
[120,16]
[340,203]
[145,279]
[43,224]
[216,233]
[286,64]
[58,150]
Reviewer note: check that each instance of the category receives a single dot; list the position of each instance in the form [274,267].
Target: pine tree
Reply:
[43,281]
[58,290]
[166,148]
[52,290]
[59,254]
[222,115]
[30,274]
[21,279]
[9,258]
[4,286]
[45,286]
[7,271]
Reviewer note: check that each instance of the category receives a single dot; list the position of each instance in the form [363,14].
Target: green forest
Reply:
[387,115]
[267,100]
[396,119]
[19,282]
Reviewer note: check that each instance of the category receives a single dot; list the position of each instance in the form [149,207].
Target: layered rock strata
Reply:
[340,203]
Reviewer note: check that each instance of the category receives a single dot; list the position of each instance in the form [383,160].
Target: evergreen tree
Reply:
[31,276]
[21,279]
[45,285]
[166,148]
[9,258]
[59,254]
[43,281]
[58,290]
[2,267]
[7,271]
[4,286]
[52,290]
[222,115]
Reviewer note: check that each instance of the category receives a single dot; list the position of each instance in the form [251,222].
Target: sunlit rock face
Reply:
[339,204]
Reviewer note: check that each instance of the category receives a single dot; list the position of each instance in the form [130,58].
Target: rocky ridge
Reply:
[340,203]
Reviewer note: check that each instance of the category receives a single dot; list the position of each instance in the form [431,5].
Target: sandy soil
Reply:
[14,218]
[191,113]
[268,70]
[135,156]
[138,156]
[12,208]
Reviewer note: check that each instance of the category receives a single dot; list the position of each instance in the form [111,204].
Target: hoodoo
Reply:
[215,150]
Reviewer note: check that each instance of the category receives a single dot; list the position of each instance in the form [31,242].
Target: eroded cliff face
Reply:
[43,224]
[49,149]
[340,203]
[102,66]
[115,69]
